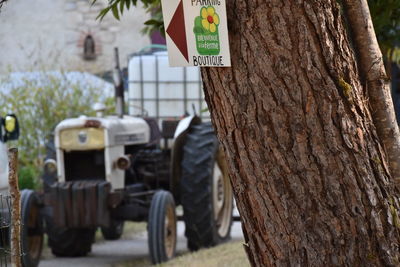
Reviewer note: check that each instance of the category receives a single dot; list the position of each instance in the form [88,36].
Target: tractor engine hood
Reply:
[86,133]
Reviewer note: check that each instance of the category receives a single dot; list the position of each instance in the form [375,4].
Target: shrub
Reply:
[28,178]
[41,103]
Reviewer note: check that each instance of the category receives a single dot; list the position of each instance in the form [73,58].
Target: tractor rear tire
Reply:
[70,242]
[114,231]
[162,227]
[31,230]
[206,193]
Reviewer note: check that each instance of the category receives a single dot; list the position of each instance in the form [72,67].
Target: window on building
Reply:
[89,48]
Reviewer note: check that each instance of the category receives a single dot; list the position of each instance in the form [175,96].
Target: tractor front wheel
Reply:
[162,227]
[114,231]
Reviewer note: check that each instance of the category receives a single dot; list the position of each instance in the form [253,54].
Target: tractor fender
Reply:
[184,124]
[177,152]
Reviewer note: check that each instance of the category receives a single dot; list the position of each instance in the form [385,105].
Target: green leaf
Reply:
[114,9]
[152,22]
[121,6]
[152,7]
[204,110]
[103,13]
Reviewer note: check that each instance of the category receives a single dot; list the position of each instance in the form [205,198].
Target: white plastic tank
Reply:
[157,90]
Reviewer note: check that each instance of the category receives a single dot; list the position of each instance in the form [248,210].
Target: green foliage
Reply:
[385,15]
[39,108]
[28,177]
[394,54]
[386,18]
[156,23]
[152,6]
[116,7]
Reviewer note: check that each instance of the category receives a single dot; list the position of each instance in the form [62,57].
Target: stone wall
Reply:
[50,35]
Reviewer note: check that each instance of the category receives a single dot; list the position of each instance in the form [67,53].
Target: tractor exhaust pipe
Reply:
[119,86]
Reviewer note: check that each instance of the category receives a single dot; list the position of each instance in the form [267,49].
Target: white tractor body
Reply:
[108,135]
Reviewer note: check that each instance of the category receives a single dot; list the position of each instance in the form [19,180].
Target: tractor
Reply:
[102,171]
[113,169]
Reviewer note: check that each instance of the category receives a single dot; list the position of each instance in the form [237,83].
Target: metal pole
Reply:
[119,86]
[15,208]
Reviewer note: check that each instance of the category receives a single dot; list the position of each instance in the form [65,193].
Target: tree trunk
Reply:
[372,69]
[309,174]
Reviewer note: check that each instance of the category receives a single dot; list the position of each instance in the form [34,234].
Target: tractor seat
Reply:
[155,133]
[169,128]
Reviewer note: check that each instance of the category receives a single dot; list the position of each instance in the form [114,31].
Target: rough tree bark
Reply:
[309,174]
[373,74]
[15,239]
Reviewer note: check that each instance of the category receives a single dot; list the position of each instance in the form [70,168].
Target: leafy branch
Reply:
[2,2]
[117,7]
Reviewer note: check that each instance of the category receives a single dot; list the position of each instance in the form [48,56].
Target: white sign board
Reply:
[196,33]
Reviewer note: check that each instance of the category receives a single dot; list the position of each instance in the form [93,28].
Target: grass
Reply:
[230,255]
[130,229]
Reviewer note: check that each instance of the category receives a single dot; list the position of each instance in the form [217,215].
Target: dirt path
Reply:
[130,249]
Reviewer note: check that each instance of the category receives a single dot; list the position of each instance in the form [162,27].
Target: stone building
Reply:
[65,35]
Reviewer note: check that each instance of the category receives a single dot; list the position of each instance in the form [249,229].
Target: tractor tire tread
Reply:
[196,192]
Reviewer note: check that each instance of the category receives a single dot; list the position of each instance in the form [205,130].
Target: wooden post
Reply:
[15,208]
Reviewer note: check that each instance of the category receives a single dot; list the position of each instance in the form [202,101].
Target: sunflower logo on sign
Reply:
[210,19]
[206,31]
